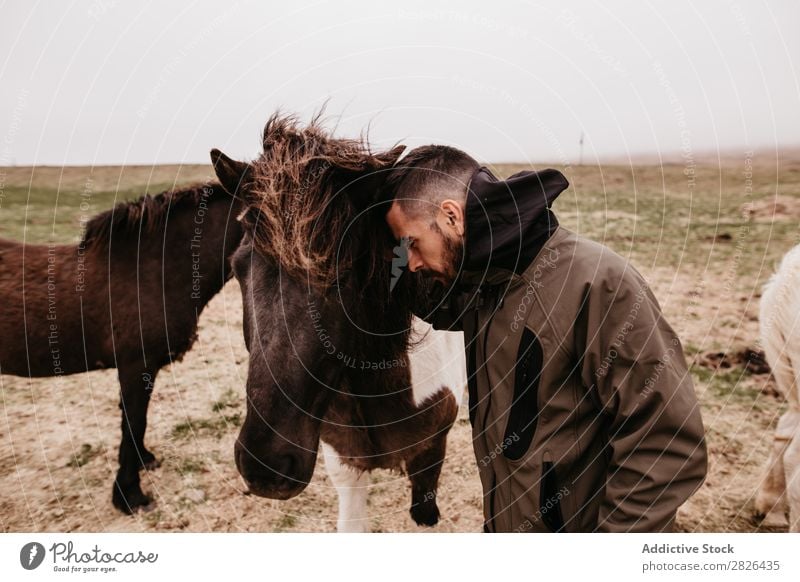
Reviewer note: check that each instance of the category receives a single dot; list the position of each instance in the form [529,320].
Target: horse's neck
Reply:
[435,363]
[192,247]
[213,242]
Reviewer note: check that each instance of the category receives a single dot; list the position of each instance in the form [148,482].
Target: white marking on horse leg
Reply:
[351,487]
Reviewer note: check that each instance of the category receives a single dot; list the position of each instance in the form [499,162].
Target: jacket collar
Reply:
[507,222]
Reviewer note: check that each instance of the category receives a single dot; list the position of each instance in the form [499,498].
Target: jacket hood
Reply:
[508,221]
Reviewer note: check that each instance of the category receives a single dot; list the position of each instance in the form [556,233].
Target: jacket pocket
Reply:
[522,417]
[550,498]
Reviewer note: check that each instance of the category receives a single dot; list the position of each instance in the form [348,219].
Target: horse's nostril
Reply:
[267,471]
[285,465]
[278,468]
[276,474]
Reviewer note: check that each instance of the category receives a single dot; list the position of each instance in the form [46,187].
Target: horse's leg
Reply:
[147,459]
[423,472]
[771,497]
[136,385]
[351,487]
[791,465]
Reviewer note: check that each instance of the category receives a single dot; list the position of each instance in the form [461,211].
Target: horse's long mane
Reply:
[145,215]
[313,212]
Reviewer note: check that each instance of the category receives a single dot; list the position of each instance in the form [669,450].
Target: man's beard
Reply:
[452,257]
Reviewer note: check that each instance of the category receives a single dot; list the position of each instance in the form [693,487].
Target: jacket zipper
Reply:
[495,308]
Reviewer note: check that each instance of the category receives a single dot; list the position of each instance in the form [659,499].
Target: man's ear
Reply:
[451,217]
[230,173]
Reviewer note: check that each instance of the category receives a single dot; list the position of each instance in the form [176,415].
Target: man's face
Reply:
[435,245]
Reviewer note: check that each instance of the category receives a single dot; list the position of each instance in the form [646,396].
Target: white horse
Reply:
[437,361]
[780,336]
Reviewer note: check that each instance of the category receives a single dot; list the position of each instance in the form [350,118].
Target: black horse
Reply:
[328,343]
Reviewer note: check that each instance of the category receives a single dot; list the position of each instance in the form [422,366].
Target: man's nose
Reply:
[414,262]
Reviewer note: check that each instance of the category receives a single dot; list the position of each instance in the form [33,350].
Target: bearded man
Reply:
[584,416]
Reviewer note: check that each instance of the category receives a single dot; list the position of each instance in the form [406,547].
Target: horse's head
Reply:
[315,286]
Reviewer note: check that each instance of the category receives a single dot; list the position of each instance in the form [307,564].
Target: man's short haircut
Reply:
[427,176]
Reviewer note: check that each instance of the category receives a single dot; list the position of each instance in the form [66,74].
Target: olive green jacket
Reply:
[584,416]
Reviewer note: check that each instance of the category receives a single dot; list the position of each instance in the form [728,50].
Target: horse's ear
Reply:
[231,174]
[368,184]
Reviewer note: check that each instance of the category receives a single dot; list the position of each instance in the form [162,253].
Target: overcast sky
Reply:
[107,82]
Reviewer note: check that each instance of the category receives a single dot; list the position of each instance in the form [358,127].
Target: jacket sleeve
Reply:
[634,365]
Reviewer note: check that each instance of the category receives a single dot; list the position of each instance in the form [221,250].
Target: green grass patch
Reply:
[215,427]
[729,386]
[229,399]
[85,454]
[191,466]
[285,522]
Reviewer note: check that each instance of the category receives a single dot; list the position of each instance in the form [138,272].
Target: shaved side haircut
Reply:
[427,176]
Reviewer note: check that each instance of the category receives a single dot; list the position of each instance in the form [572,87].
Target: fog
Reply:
[107,82]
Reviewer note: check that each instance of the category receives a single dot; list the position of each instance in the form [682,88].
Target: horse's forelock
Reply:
[302,220]
[303,216]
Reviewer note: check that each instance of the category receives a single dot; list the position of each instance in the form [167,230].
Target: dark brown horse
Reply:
[328,343]
[128,296]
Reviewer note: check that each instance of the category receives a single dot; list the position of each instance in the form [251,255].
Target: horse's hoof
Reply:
[775,519]
[130,502]
[149,461]
[425,513]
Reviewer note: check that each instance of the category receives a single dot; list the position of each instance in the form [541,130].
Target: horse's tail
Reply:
[779,321]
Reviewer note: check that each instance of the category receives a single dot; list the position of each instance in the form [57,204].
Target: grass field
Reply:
[705,235]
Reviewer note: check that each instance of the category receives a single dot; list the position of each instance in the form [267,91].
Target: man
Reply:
[583,413]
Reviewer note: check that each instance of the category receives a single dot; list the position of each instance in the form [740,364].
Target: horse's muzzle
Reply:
[277,476]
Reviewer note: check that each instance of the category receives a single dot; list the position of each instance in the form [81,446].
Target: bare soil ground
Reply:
[705,236]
